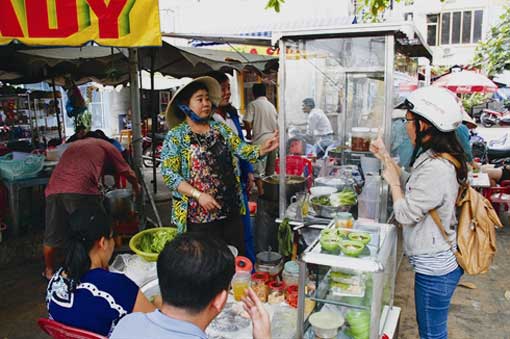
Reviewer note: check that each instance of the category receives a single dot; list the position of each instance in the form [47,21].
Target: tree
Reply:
[493,54]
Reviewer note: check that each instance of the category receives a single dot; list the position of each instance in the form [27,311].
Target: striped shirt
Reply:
[436,264]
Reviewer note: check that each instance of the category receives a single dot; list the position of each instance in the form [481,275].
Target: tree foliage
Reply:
[493,54]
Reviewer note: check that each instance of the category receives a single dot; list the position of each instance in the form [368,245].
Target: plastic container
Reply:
[276,292]
[290,273]
[14,169]
[326,324]
[134,243]
[240,283]
[344,220]
[259,285]
[291,295]
[243,264]
[360,139]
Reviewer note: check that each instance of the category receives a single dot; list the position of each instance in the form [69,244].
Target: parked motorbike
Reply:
[490,118]
[147,150]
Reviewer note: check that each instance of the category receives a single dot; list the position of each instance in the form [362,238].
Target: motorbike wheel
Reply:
[486,120]
[147,162]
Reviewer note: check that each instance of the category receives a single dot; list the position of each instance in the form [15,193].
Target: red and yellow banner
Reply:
[121,23]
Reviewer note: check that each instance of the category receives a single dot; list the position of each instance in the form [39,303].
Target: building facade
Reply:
[452,28]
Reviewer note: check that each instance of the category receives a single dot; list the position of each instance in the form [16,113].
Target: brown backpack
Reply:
[476,231]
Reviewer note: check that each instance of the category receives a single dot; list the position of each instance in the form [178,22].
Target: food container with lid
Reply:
[360,139]
[276,292]
[270,262]
[290,273]
[240,283]
[291,295]
[326,324]
[259,281]
[344,220]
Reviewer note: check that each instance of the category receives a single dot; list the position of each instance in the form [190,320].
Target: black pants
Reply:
[229,230]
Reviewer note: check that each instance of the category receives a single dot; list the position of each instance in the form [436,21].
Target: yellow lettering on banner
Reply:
[122,23]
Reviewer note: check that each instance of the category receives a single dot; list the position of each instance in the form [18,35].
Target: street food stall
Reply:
[338,90]
[340,279]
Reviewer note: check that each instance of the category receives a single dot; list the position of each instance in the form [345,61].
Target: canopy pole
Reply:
[136,142]
[154,115]
[57,109]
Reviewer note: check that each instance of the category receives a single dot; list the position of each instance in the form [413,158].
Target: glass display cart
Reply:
[338,90]
[356,288]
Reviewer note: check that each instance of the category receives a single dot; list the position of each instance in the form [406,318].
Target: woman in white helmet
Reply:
[431,119]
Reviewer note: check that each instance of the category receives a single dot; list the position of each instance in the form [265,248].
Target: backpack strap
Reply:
[437,220]
[450,158]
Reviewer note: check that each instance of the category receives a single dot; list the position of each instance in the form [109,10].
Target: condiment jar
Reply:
[291,295]
[270,262]
[276,292]
[360,139]
[259,282]
[290,273]
[344,220]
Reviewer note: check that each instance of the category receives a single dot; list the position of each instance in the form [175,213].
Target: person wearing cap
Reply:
[227,114]
[200,164]
[432,117]
[318,126]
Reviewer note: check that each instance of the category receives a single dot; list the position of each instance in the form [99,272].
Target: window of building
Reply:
[451,28]
[408,16]
[432,29]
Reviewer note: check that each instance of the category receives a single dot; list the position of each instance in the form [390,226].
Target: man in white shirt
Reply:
[318,127]
[260,122]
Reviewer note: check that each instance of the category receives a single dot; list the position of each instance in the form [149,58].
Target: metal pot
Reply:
[271,186]
[119,203]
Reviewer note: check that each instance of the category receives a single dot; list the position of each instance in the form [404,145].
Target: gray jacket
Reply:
[432,184]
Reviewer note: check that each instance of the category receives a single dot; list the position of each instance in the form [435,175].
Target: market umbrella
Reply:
[466,82]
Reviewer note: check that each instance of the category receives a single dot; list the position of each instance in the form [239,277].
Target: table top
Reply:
[479,180]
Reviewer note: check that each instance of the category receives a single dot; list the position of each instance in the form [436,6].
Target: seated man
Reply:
[194,272]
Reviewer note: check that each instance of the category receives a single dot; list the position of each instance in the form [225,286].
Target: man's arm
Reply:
[133,180]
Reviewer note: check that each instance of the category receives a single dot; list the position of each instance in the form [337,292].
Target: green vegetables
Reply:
[321,200]
[285,238]
[154,242]
[345,198]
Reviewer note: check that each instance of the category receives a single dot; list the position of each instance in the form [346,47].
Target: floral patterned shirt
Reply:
[211,172]
[176,157]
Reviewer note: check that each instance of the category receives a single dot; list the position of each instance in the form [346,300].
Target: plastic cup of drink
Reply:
[240,283]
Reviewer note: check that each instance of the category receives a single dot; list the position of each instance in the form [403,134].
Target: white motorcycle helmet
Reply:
[437,105]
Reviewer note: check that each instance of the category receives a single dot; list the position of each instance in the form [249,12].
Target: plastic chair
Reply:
[499,196]
[297,165]
[58,330]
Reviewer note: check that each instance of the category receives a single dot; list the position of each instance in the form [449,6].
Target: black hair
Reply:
[258,90]
[218,76]
[185,95]
[86,226]
[439,142]
[192,269]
